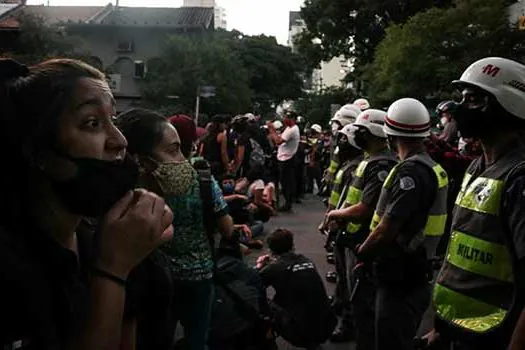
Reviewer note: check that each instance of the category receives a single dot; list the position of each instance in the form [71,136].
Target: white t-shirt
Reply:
[289,147]
[254,186]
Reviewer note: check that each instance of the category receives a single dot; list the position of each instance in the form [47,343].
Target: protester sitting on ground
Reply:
[300,310]
[67,161]
[253,186]
[166,171]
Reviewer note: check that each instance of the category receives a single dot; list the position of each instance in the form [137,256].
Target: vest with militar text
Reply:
[476,288]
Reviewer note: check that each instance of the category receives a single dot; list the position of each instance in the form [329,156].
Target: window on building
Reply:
[124,45]
[139,69]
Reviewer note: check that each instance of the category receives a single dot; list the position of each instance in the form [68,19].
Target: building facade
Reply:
[219,12]
[198,3]
[330,74]
[122,41]
[221,21]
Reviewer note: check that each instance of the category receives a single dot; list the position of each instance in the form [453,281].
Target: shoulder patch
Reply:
[407,183]
[382,175]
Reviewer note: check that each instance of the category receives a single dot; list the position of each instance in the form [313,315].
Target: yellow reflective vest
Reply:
[437,217]
[475,289]
[338,185]
[355,192]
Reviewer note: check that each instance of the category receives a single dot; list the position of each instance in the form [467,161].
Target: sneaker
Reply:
[342,335]
[331,277]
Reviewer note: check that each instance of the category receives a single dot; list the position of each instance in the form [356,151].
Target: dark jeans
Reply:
[287,180]
[399,310]
[300,179]
[313,174]
[344,263]
[192,301]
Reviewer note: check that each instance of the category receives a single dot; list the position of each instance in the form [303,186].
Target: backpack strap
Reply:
[205,186]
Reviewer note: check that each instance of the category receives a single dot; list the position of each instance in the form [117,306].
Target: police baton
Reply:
[355,289]
[358,271]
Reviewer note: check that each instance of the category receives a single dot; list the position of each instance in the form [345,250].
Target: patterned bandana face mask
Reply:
[174,178]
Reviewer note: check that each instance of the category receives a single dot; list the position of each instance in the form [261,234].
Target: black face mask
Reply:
[347,151]
[474,122]
[97,185]
[361,139]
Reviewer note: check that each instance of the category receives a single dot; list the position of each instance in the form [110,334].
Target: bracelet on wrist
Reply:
[102,273]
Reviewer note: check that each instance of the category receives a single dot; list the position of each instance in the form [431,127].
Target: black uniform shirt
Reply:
[375,175]
[413,193]
[298,287]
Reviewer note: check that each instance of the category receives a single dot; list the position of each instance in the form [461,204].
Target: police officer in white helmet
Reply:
[346,115]
[408,221]
[356,215]
[362,103]
[480,292]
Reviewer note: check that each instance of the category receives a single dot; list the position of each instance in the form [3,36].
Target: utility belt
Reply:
[407,269]
[349,240]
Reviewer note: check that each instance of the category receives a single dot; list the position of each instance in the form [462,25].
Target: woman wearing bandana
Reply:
[166,171]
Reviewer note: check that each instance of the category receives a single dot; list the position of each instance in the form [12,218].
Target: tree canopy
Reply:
[37,41]
[248,72]
[421,57]
[352,28]
[317,107]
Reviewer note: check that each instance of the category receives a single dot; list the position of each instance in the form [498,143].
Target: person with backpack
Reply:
[191,196]
[238,317]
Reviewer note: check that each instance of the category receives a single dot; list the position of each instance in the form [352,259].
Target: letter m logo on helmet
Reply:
[489,69]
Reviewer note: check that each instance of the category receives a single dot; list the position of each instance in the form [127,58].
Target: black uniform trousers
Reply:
[399,310]
[287,179]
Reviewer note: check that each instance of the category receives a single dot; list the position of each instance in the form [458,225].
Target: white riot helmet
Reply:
[349,132]
[347,115]
[407,117]
[372,120]
[362,103]
[351,107]
[502,78]
[317,128]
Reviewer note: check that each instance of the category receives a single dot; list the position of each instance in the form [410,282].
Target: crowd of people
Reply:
[115,229]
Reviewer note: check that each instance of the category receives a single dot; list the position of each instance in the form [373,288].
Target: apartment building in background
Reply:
[330,73]
[122,41]
[220,12]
